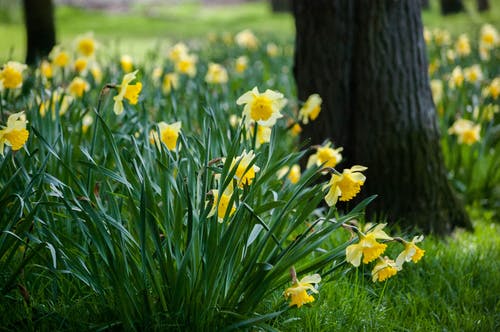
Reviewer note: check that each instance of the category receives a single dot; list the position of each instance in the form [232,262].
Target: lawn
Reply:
[122,220]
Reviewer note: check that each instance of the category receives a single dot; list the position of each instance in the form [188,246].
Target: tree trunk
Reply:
[483,5]
[425,4]
[40,30]
[280,5]
[367,60]
[451,6]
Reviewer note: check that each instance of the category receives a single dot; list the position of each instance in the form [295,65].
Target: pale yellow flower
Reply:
[87,121]
[451,55]
[263,108]
[246,39]
[310,109]
[437,90]
[384,269]
[442,37]
[427,36]
[493,89]
[241,64]
[293,173]
[59,57]
[56,100]
[297,293]
[78,86]
[234,120]
[127,91]
[177,52]
[96,72]
[345,186]
[216,74]
[263,134]
[473,74]
[80,65]
[411,251]
[86,45]
[434,66]
[295,129]
[462,45]
[325,156]
[169,133]
[170,81]
[221,204]
[467,131]
[157,74]
[489,37]
[272,50]
[127,63]
[11,75]
[456,78]
[46,69]
[244,174]
[187,65]
[367,247]
[15,133]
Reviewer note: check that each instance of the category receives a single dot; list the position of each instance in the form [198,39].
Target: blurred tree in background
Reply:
[367,60]
[451,6]
[40,29]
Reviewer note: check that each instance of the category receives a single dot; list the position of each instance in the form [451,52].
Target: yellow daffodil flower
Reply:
[296,129]
[87,121]
[442,37]
[427,36]
[187,65]
[46,69]
[78,86]
[246,39]
[311,108]
[241,64]
[127,91]
[244,174]
[96,72]
[80,65]
[437,90]
[221,204]
[457,78]
[170,81]
[56,101]
[169,133]
[15,134]
[127,63]
[489,37]
[297,293]
[367,247]
[467,131]
[493,89]
[293,173]
[263,134]
[263,108]
[216,74]
[178,51]
[325,156]
[86,45]
[59,57]
[473,74]
[272,50]
[462,45]
[384,269]
[345,186]
[411,251]
[11,75]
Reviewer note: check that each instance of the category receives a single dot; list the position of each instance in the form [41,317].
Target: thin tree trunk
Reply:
[483,5]
[367,60]
[451,6]
[40,30]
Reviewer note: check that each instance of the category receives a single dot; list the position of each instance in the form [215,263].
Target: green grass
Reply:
[454,287]
[144,27]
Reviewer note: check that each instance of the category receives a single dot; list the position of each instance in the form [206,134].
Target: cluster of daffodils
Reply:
[370,250]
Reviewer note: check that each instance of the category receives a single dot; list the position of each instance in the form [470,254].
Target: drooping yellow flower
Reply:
[467,131]
[345,186]
[15,134]
[170,81]
[221,204]
[272,50]
[169,133]
[437,90]
[78,86]
[293,173]
[295,129]
[187,65]
[244,174]
[325,156]
[411,251]
[298,292]
[263,108]
[457,78]
[384,269]
[367,247]
[241,64]
[493,89]
[56,101]
[311,108]
[87,121]
[489,37]
[59,57]
[216,74]
[11,75]
[178,51]
[46,69]
[462,45]
[246,39]
[127,91]
[80,65]
[473,74]
[86,45]
[127,63]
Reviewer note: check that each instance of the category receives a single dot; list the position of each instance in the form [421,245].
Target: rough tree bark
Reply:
[451,6]
[367,60]
[483,5]
[40,30]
